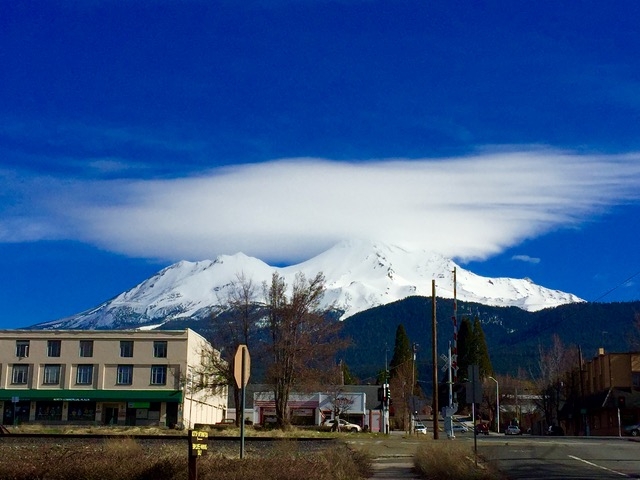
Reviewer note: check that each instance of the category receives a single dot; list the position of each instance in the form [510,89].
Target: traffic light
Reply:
[384,394]
[621,401]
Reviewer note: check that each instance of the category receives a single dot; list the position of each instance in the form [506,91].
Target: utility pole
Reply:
[413,387]
[385,404]
[435,359]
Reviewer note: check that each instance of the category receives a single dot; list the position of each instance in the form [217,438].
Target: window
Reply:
[125,375]
[53,348]
[635,379]
[126,348]
[160,349]
[159,375]
[20,374]
[85,411]
[47,411]
[51,375]
[22,348]
[84,376]
[86,348]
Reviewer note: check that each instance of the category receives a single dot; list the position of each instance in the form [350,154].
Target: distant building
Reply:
[108,377]
[604,395]
[358,404]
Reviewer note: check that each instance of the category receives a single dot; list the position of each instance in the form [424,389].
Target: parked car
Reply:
[633,430]
[344,425]
[224,424]
[420,428]
[457,427]
[555,431]
[482,428]
[513,430]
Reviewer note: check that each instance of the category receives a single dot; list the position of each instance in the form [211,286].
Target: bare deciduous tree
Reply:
[303,342]
[233,325]
[554,363]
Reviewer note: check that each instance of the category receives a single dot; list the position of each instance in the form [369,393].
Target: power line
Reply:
[538,329]
[617,286]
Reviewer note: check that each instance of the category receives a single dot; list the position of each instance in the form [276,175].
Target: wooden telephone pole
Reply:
[435,359]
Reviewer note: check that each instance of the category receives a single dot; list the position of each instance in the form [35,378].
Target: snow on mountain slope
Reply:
[359,275]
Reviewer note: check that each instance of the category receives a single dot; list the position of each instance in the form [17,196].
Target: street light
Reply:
[497,405]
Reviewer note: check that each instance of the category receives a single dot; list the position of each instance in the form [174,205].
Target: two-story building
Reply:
[603,395]
[111,377]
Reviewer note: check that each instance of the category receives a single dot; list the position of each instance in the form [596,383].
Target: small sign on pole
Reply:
[474,385]
[197,447]
[198,443]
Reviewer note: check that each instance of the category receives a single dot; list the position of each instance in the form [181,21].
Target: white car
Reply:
[344,425]
[420,428]
[512,430]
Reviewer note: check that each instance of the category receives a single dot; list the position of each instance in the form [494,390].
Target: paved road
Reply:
[601,458]
[520,458]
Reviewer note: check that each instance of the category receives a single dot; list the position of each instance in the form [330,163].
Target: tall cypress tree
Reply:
[482,351]
[402,352]
[466,347]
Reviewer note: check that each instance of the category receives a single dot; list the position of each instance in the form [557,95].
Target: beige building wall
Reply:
[201,406]
[184,349]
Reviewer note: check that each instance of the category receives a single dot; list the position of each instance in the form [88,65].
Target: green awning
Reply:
[96,395]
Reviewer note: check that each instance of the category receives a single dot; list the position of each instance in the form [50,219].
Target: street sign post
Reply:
[197,447]
[241,371]
[241,366]
[15,401]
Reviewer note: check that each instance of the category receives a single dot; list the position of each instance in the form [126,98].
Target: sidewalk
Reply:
[393,454]
[394,468]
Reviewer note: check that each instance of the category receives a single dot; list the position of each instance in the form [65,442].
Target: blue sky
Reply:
[136,134]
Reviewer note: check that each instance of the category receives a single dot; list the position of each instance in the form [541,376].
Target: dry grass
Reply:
[126,459]
[452,461]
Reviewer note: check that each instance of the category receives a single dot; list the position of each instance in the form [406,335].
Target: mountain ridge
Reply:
[359,275]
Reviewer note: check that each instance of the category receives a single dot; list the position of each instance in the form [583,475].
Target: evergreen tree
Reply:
[401,378]
[347,377]
[466,347]
[482,351]
[402,352]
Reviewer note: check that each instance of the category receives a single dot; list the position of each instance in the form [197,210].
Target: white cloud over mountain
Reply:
[288,210]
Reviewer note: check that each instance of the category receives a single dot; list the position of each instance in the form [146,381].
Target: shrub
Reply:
[126,459]
[450,460]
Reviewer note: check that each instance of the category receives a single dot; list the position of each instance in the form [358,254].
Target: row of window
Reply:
[86,348]
[84,374]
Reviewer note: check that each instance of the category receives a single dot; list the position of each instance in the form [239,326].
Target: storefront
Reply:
[313,408]
[15,412]
[107,407]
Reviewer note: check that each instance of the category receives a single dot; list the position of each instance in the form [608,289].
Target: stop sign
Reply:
[241,366]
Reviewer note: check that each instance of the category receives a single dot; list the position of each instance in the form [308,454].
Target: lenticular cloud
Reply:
[287,210]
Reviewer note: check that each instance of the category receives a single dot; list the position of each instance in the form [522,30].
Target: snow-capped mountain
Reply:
[359,275]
